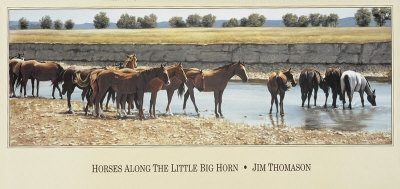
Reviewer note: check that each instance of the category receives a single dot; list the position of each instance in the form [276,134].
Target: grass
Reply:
[263,35]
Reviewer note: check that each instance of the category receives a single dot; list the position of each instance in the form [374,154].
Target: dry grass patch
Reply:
[263,35]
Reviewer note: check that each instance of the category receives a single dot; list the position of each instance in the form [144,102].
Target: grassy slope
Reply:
[262,35]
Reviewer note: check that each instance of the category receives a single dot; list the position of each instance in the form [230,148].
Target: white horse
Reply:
[351,82]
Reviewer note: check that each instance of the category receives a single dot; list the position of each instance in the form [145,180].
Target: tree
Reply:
[243,22]
[69,24]
[381,15]
[315,19]
[46,22]
[149,21]
[58,24]
[177,22]
[101,20]
[363,17]
[193,20]
[23,23]
[256,20]
[324,19]
[289,20]
[233,22]
[333,20]
[302,21]
[208,20]
[127,22]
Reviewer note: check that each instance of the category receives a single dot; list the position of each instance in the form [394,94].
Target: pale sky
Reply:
[80,16]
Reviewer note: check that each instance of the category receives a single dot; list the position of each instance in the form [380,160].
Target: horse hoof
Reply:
[216,115]
[70,112]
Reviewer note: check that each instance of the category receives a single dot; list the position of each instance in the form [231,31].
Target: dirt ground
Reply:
[44,122]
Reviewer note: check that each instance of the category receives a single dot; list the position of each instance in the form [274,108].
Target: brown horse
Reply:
[332,78]
[13,71]
[310,79]
[130,62]
[195,80]
[277,84]
[42,71]
[126,83]
[216,81]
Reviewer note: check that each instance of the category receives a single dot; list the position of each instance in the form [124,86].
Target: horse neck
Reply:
[148,75]
[225,73]
[367,89]
[172,71]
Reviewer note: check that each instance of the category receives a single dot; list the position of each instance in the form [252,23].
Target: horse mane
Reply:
[224,67]
[59,74]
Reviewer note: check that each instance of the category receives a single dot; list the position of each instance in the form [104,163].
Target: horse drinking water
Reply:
[351,82]
[311,79]
[277,84]
[216,81]
[332,78]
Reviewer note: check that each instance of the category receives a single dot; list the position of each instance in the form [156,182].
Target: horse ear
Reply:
[127,56]
[374,91]
[201,71]
[290,69]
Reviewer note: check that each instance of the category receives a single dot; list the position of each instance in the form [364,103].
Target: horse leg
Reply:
[108,99]
[129,100]
[140,103]
[33,87]
[276,103]
[154,104]
[83,94]
[69,102]
[326,98]
[282,95]
[151,104]
[170,93]
[362,98]
[220,104]
[272,103]
[315,95]
[54,89]
[303,97]
[184,101]
[350,95]
[123,100]
[194,101]
[334,97]
[118,99]
[216,101]
[59,91]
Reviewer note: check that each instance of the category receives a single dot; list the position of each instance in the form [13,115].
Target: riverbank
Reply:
[44,122]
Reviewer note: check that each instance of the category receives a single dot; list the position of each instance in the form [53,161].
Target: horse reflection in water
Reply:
[275,121]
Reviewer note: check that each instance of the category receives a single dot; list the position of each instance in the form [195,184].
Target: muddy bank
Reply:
[43,122]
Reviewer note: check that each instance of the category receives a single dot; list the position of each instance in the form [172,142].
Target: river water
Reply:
[250,102]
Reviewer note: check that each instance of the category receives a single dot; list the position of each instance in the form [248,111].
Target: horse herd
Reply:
[128,84]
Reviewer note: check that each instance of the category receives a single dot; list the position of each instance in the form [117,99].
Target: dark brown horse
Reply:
[126,83]
[42,71]
[310,80]
[277,85]
[332,78]
[216,81]
[13,71]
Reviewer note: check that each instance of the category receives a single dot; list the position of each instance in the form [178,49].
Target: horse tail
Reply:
[314,79]
[181,89]
[81,83]
[347,84]
[60,74]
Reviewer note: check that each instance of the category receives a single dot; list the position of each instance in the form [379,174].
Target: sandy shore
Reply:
[44,122]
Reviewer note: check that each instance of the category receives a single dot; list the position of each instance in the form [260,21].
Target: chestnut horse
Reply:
[13,71]
[351,82]
[177,77]
[332,78]
[277,84]
[130,62]
[42,71]
[126,83]
[195,80]
[216,81]
[310,79]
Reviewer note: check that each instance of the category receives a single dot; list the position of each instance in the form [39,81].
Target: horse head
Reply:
[289,77]
[199,81]
[131,61]
[240,71]
[371,98]
[162,74]
[180,73]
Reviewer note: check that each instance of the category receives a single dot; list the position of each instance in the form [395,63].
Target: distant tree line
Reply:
[363,18]
[193,20]
[313,19]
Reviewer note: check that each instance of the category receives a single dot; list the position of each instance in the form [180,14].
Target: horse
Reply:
[351,82]
[130,62]
[13,72]
[311,79]
[195,80]
[216,81]
[332,78]
[277,84]
[126,83]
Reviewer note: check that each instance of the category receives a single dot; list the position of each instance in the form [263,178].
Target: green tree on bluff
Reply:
[148,21]
[315,19]
[127,22]
[23,23]
[290,20]
[381,15]
[101,20]
[46,22]
[208,20]
[176,22]
[69,24]
[333,20]
[193,20]
[233,22]
[58,24]
[363,17]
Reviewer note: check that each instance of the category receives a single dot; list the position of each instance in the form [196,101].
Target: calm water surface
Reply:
[250,103]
